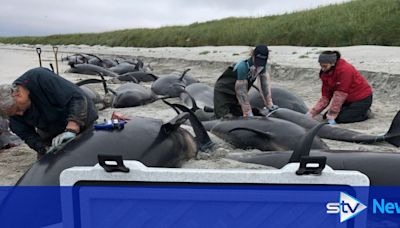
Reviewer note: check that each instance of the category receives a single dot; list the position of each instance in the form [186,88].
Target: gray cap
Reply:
[6,99]
[327,58]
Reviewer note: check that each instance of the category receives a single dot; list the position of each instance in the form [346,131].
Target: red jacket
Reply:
[347,79]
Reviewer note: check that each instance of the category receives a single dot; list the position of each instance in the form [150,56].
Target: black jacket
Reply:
[54,102]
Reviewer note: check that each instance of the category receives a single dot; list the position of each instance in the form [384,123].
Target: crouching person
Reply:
[45,110]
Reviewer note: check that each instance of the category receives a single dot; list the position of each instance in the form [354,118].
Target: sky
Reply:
[49,17]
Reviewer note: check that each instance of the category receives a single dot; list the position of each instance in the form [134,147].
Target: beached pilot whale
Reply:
[392,136]
[150,141]
[131,95]
[137,76]
[91,69]
[381,168]
[172,85]
[263,133]
[202,94]
[281,97]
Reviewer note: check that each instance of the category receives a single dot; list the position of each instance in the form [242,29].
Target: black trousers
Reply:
[355,111]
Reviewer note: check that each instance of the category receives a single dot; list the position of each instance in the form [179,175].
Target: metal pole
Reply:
[38,51]
[55,50]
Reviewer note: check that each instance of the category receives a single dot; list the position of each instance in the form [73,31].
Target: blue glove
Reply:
[273,108]
[331,122]
[63,137]
[250,114]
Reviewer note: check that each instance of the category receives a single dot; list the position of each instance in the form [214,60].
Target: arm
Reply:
[77,113]
[265,82]
[28,134]
[319,106]
[341,92]
[323,102]
[242,96]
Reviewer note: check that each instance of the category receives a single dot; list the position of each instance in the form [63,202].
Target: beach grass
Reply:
[359,22]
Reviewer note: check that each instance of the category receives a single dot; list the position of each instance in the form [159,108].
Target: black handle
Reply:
[306,170]
[119,167]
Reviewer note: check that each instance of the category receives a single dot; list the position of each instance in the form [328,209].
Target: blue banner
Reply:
[199,205]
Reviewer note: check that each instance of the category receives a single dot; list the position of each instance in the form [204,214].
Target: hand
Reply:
[52,150]
[331,122]
[273,108]
[63,137]
[249,114]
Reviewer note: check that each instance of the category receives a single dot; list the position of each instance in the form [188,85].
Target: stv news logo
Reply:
[347,207]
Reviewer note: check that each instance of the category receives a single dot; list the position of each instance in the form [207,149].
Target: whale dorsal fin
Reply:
[304,145]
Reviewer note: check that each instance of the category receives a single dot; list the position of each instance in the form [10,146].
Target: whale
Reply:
[137,76]
[148,140]
[91,70]
[131,95]
[280,96]
[380,167]
[203,95]
[266,134]
[123,68]
[172,85]
[392,136]
[263,133]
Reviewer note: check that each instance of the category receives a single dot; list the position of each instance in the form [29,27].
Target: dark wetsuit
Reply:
[54,102]
[225,100]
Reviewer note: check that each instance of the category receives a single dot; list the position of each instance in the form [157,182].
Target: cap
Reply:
[327,58]
[260,54]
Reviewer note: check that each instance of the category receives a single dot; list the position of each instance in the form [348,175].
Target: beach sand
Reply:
[294,68]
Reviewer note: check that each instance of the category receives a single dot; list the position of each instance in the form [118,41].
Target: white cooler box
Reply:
[130,194]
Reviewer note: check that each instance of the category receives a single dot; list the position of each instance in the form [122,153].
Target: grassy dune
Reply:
[359,22]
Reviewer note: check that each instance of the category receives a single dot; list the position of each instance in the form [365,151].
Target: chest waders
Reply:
[225,100]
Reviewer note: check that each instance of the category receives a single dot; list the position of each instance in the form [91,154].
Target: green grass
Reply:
[359,22]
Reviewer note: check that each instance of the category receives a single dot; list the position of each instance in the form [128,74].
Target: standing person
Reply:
[344,88]
[45,109]
[231,88]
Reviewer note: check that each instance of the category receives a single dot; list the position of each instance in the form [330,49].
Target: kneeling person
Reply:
[344,88]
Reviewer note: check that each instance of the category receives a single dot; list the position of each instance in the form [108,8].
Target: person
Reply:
[344,88]
[231,88]
[45,110]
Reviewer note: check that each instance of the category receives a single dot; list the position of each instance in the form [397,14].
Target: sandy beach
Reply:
[294,68]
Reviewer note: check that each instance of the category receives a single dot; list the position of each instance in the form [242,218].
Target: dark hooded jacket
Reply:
[54,102]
